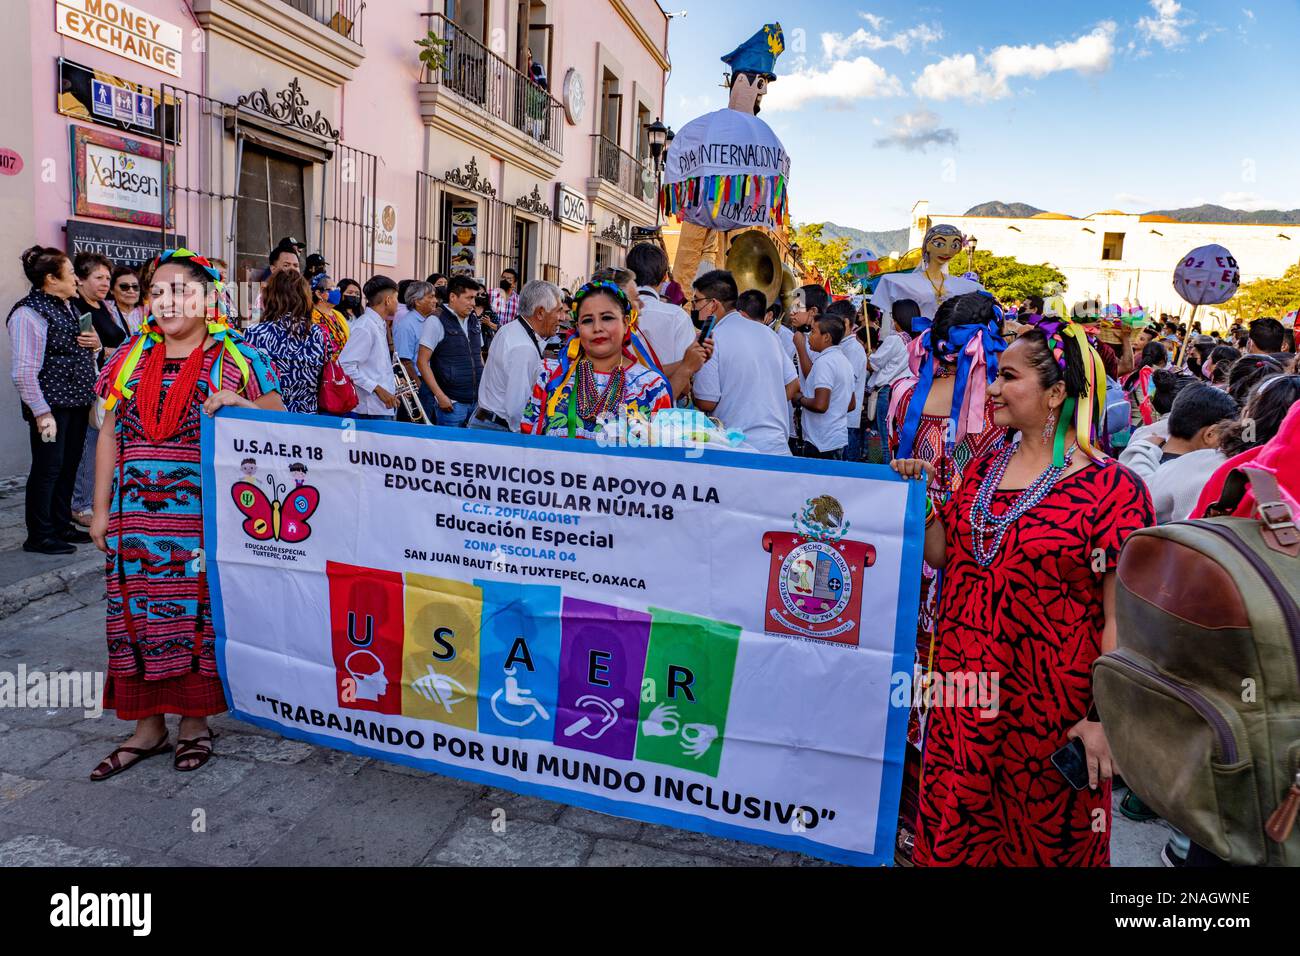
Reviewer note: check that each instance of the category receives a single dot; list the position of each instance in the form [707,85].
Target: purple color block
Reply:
[623,635]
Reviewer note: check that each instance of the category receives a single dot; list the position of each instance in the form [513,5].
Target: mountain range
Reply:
[895,240]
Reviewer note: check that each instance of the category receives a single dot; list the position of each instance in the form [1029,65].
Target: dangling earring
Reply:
[1049,427]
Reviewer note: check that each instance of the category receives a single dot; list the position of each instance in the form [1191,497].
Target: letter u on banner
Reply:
[366,633]
[440,662]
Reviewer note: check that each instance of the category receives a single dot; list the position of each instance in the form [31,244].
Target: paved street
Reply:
[267,800]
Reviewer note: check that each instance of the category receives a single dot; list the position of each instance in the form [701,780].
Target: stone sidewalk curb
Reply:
[18,595]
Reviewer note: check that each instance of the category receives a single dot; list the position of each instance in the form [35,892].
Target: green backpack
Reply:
[1201,698]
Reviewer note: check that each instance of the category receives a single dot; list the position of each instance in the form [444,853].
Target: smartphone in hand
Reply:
[707,329]
[1072,761]
[87,323]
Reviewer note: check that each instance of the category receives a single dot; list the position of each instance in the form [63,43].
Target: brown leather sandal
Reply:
[112,765]
[193,748]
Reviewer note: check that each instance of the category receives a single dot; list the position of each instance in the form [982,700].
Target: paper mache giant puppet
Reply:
[727,170]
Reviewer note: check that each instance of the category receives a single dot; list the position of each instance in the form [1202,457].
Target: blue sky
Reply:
[1071,107]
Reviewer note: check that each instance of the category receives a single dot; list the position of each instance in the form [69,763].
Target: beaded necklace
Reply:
[592,401]
[985,524]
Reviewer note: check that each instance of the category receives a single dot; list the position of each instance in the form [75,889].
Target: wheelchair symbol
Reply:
[518,697]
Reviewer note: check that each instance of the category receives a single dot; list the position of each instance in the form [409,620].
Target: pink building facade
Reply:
[233,123]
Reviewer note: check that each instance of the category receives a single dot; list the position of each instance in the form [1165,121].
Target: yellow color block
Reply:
[440,656]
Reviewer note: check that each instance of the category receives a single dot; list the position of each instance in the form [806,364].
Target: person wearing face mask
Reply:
[450,355]
[325,296]
[505,300]
[349,304]
[748,382]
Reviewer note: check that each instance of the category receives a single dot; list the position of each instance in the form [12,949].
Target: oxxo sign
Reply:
[122,29]
[570,207]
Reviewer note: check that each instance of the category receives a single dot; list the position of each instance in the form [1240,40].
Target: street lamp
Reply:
[657,137]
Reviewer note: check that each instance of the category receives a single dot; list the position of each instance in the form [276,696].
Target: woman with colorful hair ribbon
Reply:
[184,361]
[605,379]
[1028,546]
[940,413]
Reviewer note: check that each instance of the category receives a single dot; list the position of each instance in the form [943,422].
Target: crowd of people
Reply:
[1042,448]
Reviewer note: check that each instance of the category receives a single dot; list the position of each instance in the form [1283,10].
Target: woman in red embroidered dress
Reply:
[1028,546]
[947,429]
[148,514]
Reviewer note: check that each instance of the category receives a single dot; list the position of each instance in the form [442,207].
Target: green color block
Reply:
[687,691]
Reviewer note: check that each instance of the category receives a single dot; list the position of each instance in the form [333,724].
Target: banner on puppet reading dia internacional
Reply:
[703,640]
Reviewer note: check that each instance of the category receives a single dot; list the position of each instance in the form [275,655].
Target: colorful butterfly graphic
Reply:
[266,518]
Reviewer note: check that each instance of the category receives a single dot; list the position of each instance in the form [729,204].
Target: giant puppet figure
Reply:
[930,284]
[727,170]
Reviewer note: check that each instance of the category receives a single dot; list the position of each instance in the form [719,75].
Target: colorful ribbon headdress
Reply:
[634,346]
[975,349]
[148,335]
[1086,411]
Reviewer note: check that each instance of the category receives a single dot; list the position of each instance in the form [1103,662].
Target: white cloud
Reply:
[1165,27]
[1248,201]
[838,45]
[1250,14]
[961,76]
[876,22]
[840,82]
[918,131]
[1132,199]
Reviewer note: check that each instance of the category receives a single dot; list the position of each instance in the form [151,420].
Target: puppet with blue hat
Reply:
[727,169]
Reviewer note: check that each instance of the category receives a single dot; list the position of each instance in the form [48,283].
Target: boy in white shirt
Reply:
[827,396]
[857,355]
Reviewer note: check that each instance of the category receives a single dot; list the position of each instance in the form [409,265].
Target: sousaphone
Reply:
[755,263]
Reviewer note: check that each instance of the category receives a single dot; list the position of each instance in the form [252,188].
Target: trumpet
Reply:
[408,393]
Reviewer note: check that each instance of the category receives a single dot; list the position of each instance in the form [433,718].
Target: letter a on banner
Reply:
[440,662]
[519,680]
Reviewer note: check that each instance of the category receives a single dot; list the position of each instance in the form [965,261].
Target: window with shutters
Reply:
[271,206]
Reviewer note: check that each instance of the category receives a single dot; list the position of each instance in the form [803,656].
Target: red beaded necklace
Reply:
[161,418]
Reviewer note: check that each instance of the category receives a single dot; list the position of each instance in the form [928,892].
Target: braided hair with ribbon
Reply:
[1071,358]
[965,333]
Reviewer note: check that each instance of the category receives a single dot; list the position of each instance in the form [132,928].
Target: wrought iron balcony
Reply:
[620,168]
[476,74]
[344,17]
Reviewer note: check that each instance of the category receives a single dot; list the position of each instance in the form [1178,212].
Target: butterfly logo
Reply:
[270,517]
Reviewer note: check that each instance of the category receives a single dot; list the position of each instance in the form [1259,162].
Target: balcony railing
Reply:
[475,73]
[622,169]
[344,17]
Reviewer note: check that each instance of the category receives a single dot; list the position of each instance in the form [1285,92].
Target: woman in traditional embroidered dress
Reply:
[1028,546]
[184,361]
[605,379]
[939,413]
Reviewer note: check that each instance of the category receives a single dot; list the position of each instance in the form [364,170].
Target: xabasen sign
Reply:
[707,643]
[122,29]
[117,178]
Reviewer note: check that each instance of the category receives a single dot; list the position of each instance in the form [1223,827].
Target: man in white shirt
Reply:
[515,358]
[827,396]
[857,356]
[367,358]
[888,364]
[666,327]
[747,382]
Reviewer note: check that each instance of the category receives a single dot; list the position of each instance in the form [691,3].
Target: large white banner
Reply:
[705,642]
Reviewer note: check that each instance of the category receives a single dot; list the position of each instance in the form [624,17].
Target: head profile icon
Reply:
[367,671]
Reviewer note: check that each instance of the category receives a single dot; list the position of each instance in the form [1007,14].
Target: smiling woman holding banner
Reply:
[1028,546]
[604,375]
[184,362]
